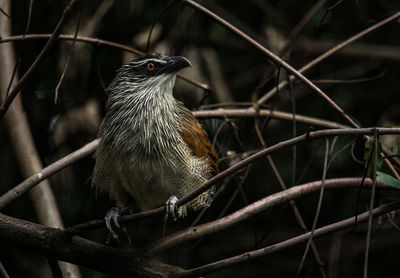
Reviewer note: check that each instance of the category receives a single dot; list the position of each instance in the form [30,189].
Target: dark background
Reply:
[372,98]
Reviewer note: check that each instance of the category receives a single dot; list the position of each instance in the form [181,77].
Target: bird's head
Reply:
[148,72]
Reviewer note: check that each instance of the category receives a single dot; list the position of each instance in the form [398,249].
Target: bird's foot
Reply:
[112,217]
[173,210]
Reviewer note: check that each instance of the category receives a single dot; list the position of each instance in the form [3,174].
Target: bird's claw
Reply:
[112,216]
[172,210]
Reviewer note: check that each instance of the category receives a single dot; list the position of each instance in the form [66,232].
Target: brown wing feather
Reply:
[197,140]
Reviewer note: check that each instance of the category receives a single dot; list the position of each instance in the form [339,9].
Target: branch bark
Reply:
[59,245]
[251,210]
[251,255]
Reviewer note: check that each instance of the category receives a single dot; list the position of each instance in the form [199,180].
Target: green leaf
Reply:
[387,179]
[369,150]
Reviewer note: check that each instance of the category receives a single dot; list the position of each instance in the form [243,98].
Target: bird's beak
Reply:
[177,63]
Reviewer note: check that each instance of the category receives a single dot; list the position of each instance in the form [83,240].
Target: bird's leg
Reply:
[112,217]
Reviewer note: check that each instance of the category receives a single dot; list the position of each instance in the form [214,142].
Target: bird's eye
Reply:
[150,66]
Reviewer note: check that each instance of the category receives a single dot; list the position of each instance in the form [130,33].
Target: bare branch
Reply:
[251,210]
[99,42]
[318,210]
[53,168]
[300,25]
[66,13]
[18,128]
[251,112]
[329,53]
[232,170]
[274,58]
[344,224]
[57,244]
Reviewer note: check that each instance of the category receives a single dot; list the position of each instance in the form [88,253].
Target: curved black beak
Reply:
[177,63]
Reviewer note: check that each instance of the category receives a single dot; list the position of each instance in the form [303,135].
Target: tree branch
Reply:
[243,163]
[59,245]
[329,53]
[274,58]
[53,168]
[251,210]
[248,256]
[99,42]
[66,13]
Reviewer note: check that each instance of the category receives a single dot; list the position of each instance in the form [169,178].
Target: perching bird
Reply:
[152,149]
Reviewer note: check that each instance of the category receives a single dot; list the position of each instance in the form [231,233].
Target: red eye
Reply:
[150,67]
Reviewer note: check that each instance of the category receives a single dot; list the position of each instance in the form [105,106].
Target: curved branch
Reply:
[250,211]
[98,42]
[283,144]
[55,167]
[240,165]
[347,223]
[329,53]
[274,58]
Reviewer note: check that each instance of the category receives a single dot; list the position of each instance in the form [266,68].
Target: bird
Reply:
[152,149]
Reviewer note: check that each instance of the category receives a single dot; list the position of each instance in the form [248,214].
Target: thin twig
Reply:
[330,52]
[3,12]
[295,209]
[321,196]
[371,205]
[50,42]
[274,58]
[300,25]
[68,58]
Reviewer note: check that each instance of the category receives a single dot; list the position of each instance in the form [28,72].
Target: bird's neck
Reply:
[146,120]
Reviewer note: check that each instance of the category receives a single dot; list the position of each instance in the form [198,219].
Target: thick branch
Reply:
[57,244]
